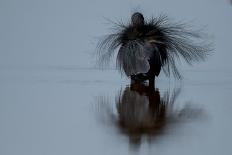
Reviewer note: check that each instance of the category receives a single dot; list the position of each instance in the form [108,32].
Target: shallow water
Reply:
[70,110]
[53,102]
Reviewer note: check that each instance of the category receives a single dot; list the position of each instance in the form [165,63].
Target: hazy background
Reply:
[65,32]
[48,84]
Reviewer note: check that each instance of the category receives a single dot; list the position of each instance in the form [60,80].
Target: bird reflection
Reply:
[142,111]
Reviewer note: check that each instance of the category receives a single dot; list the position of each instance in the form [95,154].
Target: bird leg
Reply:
[152,82]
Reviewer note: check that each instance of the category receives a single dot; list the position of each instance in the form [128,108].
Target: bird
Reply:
[144,47]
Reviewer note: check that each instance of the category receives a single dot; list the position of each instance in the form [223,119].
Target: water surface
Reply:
[64,110]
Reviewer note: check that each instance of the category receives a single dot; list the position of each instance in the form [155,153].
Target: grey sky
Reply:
[65,32]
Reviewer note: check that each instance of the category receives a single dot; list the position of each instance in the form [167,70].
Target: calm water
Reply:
[69,110]
[49,105]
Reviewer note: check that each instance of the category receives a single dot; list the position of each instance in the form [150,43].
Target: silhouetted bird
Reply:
[146,46]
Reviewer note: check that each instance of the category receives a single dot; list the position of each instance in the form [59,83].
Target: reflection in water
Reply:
[142,111]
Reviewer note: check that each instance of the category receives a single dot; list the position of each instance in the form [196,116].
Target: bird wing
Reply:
[133,57]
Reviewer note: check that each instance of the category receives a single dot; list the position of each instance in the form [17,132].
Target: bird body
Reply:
[147,46]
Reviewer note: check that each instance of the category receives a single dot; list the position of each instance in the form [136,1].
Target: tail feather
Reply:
[136,51]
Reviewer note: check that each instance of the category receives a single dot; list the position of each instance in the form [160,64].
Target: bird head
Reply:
[137,19]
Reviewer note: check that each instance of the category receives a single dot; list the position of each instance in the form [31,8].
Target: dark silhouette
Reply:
[146,46]
[143,111]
